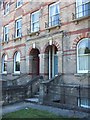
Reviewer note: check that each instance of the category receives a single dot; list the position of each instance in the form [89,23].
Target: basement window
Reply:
[84,102]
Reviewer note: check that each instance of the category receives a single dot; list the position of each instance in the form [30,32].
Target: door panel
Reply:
[55,65]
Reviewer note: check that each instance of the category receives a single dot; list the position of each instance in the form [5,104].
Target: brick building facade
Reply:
[46,38]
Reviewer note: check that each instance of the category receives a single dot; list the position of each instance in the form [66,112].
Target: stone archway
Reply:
[51,63]
[34,62]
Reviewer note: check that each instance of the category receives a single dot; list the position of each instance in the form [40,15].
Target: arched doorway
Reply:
[34,62]
[52,61]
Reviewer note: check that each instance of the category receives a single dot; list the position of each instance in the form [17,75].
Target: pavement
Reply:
[60,112]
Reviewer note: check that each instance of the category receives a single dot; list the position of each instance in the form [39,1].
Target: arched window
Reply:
[83,56]
[17,62]
[4,64]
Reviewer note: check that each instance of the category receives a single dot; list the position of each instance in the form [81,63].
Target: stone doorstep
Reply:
[32,100]
[36,96]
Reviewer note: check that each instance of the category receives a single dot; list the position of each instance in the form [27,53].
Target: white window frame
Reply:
[4,61]
[81,71]
[50,22]
[19,3]
[15,55]
[33,22]
[7,9]
[18,28]
[6,33]
[80,3]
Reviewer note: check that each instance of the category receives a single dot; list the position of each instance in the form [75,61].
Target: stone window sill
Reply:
[81,74]
[4,73]
[76,20]
[17,38]
[53,27]
[3,43]
[34,33]
[16,74]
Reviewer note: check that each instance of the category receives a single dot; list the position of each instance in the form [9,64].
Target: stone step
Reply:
[32,100]
[37,93]
[36,96]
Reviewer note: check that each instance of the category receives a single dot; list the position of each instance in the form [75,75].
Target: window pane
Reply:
[83,63]
[35,22]
[36,26]
[87,9]
[89,62]
[85,102]
[17,66]
[5,66]
[78,2]
[18,28]
[6,30]
[36,17]
[84,47]
[6,37]
[19,2]
[6,8]
[17,61]
[19,24]
[19,33]
[4,63]
[82,8]
[80,11]
[84,55]
[54,15]
[33,18]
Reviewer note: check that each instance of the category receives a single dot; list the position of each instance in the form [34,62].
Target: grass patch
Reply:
[33,113]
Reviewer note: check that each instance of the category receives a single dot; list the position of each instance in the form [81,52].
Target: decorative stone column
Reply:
[29,64]
[10,66]
[60,64]
[42,58]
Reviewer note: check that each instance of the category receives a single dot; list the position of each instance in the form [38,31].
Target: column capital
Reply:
[43,55]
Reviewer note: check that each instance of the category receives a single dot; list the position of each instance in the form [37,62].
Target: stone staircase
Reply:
[22,92]
[34,99]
